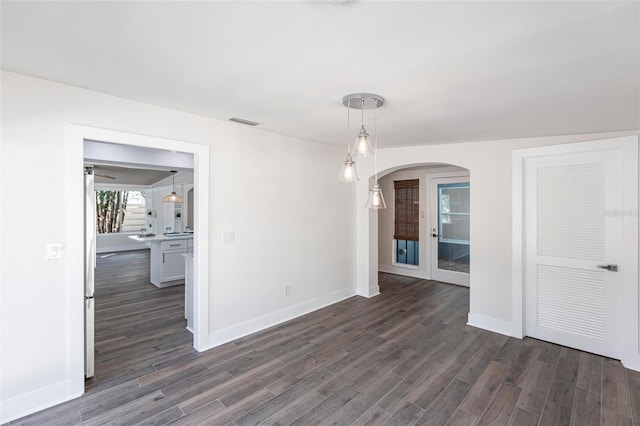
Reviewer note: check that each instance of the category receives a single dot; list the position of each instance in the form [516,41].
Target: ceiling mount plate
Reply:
[355,101]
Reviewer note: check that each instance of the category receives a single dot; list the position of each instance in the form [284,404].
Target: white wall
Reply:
[306,240]
[489,164]
[386,220]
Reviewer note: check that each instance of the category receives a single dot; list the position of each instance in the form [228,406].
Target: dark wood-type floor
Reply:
[404,357]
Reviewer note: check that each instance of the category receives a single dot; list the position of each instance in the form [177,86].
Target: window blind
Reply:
[406,209]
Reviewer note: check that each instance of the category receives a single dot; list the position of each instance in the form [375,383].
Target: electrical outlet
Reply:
[287,290]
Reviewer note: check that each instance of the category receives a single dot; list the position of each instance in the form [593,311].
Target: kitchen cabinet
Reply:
[167,262]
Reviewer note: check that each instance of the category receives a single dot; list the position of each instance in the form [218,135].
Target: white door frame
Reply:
[629,147]
[74,178]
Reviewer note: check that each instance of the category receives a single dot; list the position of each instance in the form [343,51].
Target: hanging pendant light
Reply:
[376,199]
[348,172]
[173,197]
[363,146]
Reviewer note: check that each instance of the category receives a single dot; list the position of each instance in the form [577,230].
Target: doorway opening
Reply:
[76,137]
[132,318]
[424,232]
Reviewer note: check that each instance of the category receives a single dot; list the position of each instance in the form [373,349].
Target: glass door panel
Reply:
[451,236]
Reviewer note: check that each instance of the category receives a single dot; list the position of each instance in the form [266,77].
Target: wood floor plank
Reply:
[295,410]
[500,408]
[461,418]
[327,407]
[363,401]
[586,408]
[398,396]
[408,415]
[522,417]
[633,383]
[446,404]
[590,373]
[562,393]
[206,415]
[615,394]
[279,402]
[536,388]
[404,357]
[484,389]
[372,417]
[613,418]
[522,364]
[555,414]
[379,370]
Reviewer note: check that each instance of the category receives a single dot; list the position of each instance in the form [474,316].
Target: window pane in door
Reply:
[453,227]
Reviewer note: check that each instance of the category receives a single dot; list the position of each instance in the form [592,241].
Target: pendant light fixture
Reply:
[173,197]
[376,199]
[362,146]
[348,172]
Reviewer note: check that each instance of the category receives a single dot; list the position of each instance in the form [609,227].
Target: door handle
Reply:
[435,235]
[609,267]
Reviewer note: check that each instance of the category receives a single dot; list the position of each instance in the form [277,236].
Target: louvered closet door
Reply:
[573,227]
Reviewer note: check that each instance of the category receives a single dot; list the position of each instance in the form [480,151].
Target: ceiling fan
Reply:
[104,176]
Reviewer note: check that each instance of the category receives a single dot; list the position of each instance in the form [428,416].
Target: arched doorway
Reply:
[424,231]
[437,254]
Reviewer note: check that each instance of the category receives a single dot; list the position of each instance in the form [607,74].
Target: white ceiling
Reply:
[449,71]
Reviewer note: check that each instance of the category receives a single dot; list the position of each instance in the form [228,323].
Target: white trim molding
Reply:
[28,403]
[368,292]
[229,334]
[630,318]
[489,323]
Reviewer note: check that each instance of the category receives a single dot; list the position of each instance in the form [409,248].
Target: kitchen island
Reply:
[167,262]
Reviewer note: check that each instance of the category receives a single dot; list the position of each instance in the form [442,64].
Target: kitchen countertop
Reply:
[160,238]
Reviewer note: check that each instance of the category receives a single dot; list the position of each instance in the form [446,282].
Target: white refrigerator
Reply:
[89,270]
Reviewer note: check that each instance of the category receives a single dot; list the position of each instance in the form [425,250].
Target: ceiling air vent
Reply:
[243,121]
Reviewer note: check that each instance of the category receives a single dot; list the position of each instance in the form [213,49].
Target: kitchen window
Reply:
[120,211]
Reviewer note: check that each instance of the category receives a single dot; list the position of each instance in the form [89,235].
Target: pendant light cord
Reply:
[375,152]
[348,127]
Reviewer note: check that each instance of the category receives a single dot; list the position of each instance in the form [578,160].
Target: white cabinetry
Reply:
[167,262]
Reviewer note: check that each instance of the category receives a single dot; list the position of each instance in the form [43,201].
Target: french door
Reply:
[450,230]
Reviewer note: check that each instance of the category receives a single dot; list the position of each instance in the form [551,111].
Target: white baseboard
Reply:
[34,401]
[635,367]
[489,323]
[229,334]
[399,270]
[368,292]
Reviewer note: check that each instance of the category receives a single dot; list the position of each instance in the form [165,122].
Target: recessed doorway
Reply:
[76,136]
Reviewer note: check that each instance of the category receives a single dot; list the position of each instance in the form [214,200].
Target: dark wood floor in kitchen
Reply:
[404,357]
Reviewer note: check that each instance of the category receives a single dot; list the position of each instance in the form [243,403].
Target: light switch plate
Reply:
[56,251]
[228,238]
